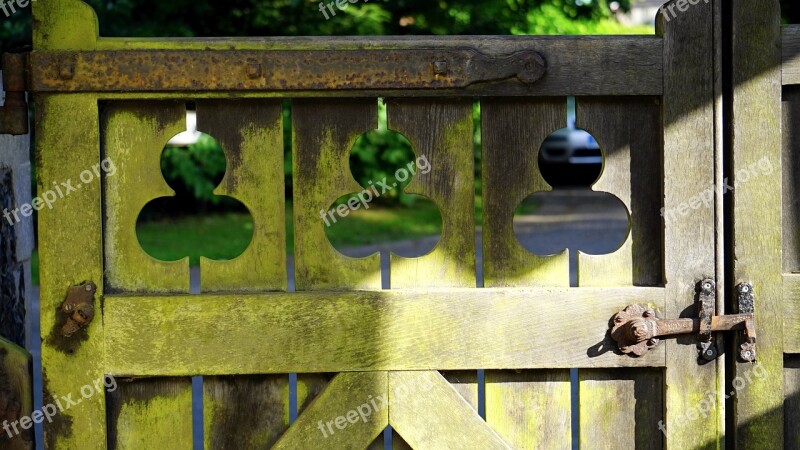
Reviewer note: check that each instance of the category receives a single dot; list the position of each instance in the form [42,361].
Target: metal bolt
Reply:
[745,288]
[652,342]
[440,67]
[253,69]
[89,288]
[707,286]
[67,70]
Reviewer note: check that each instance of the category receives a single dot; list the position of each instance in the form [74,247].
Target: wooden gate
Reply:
[407,355]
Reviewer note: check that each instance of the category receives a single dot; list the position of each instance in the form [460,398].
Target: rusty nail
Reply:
[440,67]
[253,69]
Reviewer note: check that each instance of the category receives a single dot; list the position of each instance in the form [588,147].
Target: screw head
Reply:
[67,70]
[89,288]
[253,69]
[440,67]
[745,288]
[652,342]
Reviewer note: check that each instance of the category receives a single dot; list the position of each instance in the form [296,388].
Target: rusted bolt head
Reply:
[89,287]
[639,331]
[253,69]
[67,70]
[440,67]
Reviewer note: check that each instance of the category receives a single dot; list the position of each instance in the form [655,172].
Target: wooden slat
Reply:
[791,54]
[628,131]
[434,415]
[791,180]
[248,412]
[621,409]
[70,122]
[791,404]
[515,402]
[150,413]
[324,134]
[513,131]
[791,313]
[756,215]
[440,132]
[158,412]
[453,329]
[353,395]
[134,138]
[689,239]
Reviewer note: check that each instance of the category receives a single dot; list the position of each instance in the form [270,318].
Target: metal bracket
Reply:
[14,112]
[636,329]
[79,307]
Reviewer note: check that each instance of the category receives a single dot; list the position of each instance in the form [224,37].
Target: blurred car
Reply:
[570,157]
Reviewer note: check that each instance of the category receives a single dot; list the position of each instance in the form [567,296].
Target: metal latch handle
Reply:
[636,329]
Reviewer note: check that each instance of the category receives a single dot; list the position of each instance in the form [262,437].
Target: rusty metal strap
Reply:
[277,70]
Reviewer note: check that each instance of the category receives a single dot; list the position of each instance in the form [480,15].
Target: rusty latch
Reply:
[14,112]
[79,307]
[636,329]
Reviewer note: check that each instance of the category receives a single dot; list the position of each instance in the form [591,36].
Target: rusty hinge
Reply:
[14,112]
[636,329]
[79,307]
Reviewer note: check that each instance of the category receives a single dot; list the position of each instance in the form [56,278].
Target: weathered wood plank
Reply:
[791,180]
[516,402]
[790,38]
[70,122]
[324,134]
[621,410]
[16,396]
[609,65]
[791,313]
[440,131]
[350,413]
[513,132]
[628,131]
[756,136]
[251,134]
[791,404]
[454,329]
[150,413]
[689,237]
[134,137]
[429,413]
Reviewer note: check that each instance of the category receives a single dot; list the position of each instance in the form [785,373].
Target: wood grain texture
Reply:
[251,134]
[609,65]
[134,137]
[513,132]
[453,329]
[791,313]
[350,413]
[530,409]
[324,134]
[628,131]
[440,132]
[791,181]
[16,394]
[689,238]
[621,409]
[756,136]
[429,413]
[791,403]
[150,413]
[791,54]
[70,122]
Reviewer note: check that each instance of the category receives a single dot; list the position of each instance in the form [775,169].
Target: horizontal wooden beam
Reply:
[456,329]
[791,313]
[429,66]
[791,55]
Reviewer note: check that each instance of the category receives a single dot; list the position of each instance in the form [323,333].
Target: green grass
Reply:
[225,236]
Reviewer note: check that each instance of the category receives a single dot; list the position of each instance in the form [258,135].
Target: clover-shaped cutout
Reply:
[572,215]
[383,217]
[169,228]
